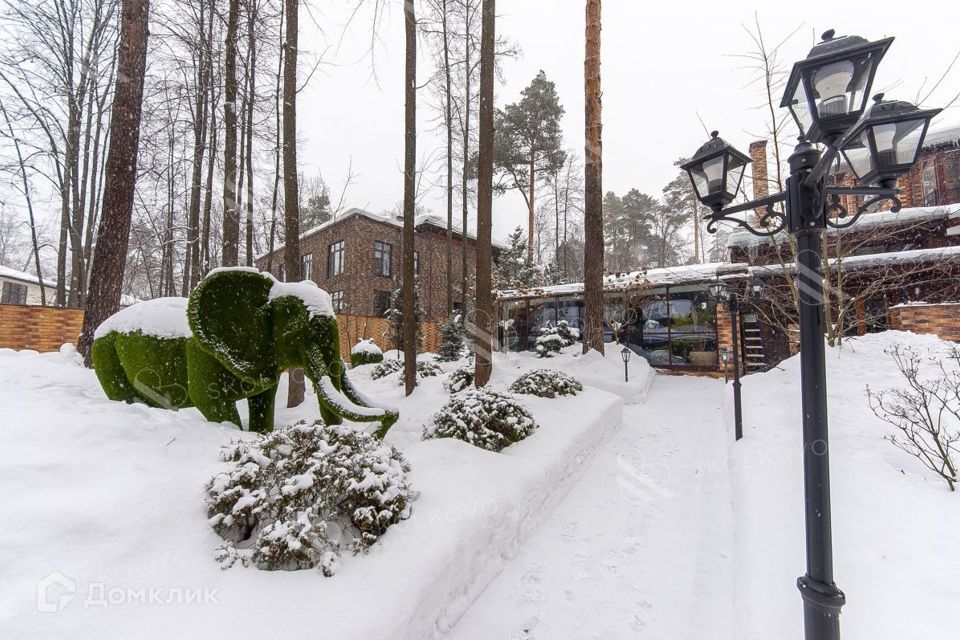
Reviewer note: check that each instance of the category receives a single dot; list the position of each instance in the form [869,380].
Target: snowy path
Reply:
[641,547]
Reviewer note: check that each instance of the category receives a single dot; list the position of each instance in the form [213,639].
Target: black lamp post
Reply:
[725,357]
[722,294]
[625,354]
[827,94]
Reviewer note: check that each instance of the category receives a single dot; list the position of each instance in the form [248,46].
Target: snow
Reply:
[340,400]
[160,318]
[110,496]
[913,215]
[644,279]
[615,519]
[317,301]
[16,274]
[892,258]
[366,347]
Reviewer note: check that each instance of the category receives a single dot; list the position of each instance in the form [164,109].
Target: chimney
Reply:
[761,188]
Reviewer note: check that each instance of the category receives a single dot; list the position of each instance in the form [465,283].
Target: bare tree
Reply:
[593,200]
[114,230]
[409,293]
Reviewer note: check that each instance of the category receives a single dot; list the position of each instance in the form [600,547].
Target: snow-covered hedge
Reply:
[365,352]
[483,418]
[459,380]
[385,368]
[547,383]
[295,498]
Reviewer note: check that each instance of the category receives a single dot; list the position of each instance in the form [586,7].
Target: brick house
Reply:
[357,259]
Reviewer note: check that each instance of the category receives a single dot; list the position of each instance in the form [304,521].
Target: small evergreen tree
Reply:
[512,270]
[452,333]
[394,315]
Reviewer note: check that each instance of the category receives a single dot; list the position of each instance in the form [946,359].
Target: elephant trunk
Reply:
[339,399]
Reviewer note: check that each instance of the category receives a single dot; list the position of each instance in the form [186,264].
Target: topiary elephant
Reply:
[237,333]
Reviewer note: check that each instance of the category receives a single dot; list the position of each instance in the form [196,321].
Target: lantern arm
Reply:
[770,223]
[879,195]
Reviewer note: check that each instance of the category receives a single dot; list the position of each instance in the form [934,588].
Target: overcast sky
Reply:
[664,63]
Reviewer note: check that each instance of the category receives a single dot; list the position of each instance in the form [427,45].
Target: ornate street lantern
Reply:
[756,288]
[884,145]
[625,354]
[827,92]
[716,171]
[718,290]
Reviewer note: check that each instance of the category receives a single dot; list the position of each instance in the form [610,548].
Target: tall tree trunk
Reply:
[465,186]
[231,217]
[448,116]
[291,191]
[276,153]
[531,206]
[192,257]
[204,253]
[593,205]
[484,308]
[29,200]
[113,233]
[251,95]
[409,284]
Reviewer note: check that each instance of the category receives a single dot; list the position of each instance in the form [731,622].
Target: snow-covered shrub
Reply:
[459,380]
[425,369]
[548,342]
[546,383]
[926,413]
[295,498]
[385,368]
[485,419]
[451,340]
[365,352]
[568,334]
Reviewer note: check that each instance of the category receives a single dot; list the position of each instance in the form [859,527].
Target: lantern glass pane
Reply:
[800,107]
[858,155]
[840,88]
[700,181]
[897,142]
[735,170]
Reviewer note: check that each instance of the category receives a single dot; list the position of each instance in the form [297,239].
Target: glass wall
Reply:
[670,326]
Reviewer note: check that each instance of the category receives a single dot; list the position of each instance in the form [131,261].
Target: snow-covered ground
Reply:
[664,528]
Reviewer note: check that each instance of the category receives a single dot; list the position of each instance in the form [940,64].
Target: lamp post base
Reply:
[821,608]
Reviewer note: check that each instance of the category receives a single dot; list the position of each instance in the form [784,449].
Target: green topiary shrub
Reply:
[459,380]
[485,419]
[546,383]
[365,352]
[298,497]
[231,341]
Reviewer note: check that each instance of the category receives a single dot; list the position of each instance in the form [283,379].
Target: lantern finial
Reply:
[828,35]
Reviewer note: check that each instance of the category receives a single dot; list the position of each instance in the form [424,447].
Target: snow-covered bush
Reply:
[451,340]
[365,352]
[485,419]
[295,498]
[926,413]
[425,369]
[385,368]
[569,334]
[459,380]
[548,342]
[546,383]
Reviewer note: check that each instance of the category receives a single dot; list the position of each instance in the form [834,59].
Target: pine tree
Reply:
[512,270]
[452,333]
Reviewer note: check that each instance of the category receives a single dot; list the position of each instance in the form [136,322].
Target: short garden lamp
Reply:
[725,358]
[716,170]
[718,290]
[884,145]
[829,90]
[625,353]
[756,289]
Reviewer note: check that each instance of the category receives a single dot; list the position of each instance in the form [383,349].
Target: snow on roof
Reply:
[940,133]
[15,274]
[317,301]
[892,258]
[393,221]
[913,215]
[651,278]
[160,318]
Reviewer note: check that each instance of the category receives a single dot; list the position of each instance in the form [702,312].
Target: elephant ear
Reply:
[230,316]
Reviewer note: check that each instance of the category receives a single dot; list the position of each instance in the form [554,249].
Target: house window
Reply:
[929,182]
[14,293]
[382,253]
[335,256]
[381,303]
[306,266]
[337,297]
